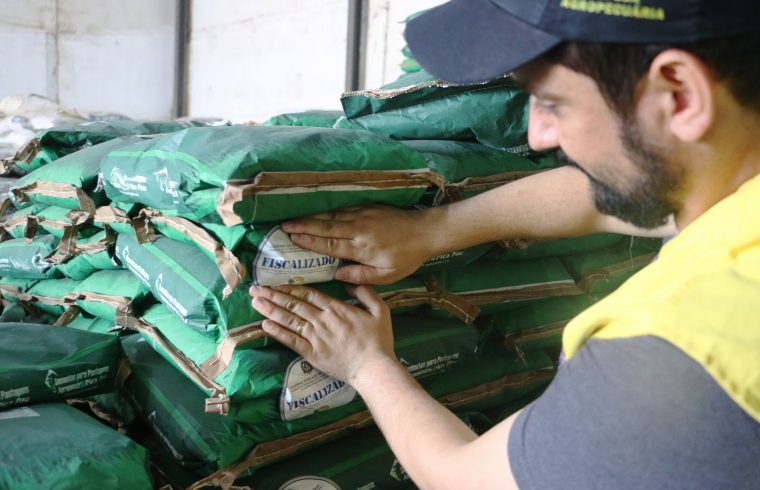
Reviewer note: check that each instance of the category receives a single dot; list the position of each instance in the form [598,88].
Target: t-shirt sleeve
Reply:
[634,413]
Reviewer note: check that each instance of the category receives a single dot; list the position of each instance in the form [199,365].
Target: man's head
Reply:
[632,115]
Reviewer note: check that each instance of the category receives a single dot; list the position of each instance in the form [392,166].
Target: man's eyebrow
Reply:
[530,86]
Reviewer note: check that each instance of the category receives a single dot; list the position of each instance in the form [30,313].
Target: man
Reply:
[656,105]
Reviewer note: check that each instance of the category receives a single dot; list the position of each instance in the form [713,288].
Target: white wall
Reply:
[92,55]
[250,60]
[385,37]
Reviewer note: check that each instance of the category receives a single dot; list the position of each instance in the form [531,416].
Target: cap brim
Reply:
[472,41]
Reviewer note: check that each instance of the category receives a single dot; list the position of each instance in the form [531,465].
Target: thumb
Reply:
[363,274]
[369,298]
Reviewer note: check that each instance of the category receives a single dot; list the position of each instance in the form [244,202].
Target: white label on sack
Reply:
[18,413]
[310,483]
[307,390]
[280,261]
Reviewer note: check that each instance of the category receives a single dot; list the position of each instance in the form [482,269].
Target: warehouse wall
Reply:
[385,37]
[252,60]
[93,55]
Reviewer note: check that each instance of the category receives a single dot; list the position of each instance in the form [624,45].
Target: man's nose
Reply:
[542,134]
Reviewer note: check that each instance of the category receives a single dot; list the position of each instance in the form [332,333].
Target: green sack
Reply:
[315,118]
[91,254]
[495,380]
[62,222]
[49,294]
[202,442]
[11,288]
[29,260]
[106,294]
[58,141]
[70,182]
[95,325]
[24,313]
[537,325]
[17,225]
[221,364]
[243,174]
[57,446]
[495,286]
[424,347]
[470,168]
[600,272]
[420,107]
[40,363]
[453,260]
[188,282]
[531,249]
[360,460]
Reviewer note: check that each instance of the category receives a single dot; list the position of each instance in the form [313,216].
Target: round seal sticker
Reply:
[310,483]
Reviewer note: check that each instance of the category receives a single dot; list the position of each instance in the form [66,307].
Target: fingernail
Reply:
[286,226]
[253,290]
[258,302]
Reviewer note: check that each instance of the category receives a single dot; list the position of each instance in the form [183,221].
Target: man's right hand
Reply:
[387,243]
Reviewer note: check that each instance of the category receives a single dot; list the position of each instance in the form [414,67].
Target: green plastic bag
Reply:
[106,294]
[242,174]
[91,254]
[221,364]
[11,287]
[495,286]
[49,294]
[15,312]
[40,363]
[29,260]
[600,272]
[58,141]
[495,380]
[70,182]
[531,249]
[57,446]
[188,282]
[315,118]
[537,325]
[93,324]
[360,460]
[420,107]
[470,168]
[17,225]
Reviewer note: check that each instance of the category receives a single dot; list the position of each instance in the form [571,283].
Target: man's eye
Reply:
[544,106]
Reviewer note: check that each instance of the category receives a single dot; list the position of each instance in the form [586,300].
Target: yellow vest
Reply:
[702,295]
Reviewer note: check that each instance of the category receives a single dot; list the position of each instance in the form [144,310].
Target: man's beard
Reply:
[646,202]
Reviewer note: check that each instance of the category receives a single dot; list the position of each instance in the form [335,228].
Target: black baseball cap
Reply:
[469,41]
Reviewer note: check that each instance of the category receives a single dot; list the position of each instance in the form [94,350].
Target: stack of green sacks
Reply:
[53,143]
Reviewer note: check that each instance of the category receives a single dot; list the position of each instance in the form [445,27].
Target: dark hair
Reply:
[617,68]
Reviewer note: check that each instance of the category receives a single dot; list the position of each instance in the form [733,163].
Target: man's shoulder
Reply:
[634,412]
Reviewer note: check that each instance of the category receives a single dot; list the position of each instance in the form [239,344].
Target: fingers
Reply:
[283,317]
[287,338]
[342,248]
[311,296]
[338,226]
[369,298]
[286,301]
[365,274]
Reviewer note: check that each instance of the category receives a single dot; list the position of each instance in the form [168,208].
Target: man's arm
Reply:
[435,447]
[389,243]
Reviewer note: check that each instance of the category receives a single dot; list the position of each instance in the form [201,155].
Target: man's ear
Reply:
[685,93]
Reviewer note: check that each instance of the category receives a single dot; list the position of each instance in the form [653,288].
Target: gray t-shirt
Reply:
[634,413]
